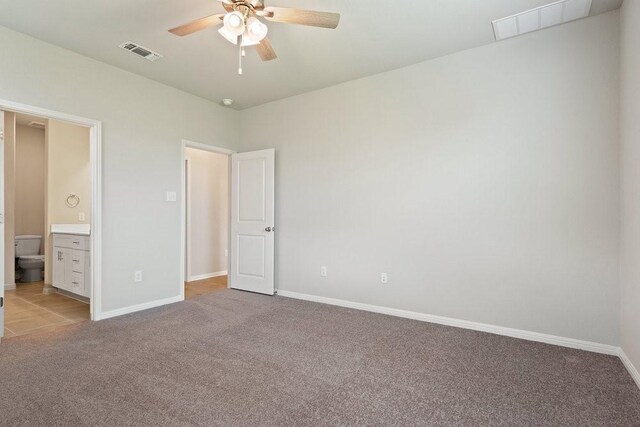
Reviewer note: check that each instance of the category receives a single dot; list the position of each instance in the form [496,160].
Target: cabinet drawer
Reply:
[77,283]
[71,241]
[78,261]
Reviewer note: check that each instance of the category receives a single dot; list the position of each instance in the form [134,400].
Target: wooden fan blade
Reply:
[302,17]
[265,50]
[197,25]
[228,6]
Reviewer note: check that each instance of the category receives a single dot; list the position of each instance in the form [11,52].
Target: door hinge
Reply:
[1,302]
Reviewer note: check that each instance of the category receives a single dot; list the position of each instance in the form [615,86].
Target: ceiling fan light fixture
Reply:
[233,39]
[234,23]
[242,25]
[256,30]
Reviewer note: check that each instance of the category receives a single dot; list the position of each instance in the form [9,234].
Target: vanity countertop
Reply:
[77,229]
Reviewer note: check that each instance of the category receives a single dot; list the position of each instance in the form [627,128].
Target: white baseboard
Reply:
[9,286]
[465,324]
[206,276]
[71,295]
[139,307]
[629,365]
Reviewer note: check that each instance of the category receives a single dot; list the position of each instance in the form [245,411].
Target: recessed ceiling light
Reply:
[227,102]
[541,17]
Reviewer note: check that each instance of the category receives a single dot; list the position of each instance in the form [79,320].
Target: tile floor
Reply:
[28,310]
[201,287]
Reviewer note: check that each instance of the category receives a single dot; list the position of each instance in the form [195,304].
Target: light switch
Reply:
[171,196]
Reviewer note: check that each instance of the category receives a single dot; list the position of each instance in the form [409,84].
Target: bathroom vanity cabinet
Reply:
[71,263]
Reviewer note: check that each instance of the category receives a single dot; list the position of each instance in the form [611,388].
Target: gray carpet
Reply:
[234,358]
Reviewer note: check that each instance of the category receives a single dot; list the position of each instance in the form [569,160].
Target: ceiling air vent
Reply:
[541,17]
[141,51]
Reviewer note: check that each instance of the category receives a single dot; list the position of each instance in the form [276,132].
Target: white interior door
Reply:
[2,301]
[252,221]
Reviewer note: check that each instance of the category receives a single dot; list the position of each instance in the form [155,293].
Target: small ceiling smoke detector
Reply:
[147,54]
[227,102]
[541,17]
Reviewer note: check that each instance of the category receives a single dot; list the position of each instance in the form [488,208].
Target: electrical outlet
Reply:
[81,216]
[137,276]
[323,271]
[172,196]
[384,278]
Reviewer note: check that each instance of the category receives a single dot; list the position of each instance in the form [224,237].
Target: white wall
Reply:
[630,159]
[143,125]
[208,196]
[29,181]
[484,183]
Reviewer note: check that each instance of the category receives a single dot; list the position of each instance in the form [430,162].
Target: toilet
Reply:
[27,253]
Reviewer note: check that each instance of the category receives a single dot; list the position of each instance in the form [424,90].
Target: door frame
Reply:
[95,164]
[183,200]
[187,209]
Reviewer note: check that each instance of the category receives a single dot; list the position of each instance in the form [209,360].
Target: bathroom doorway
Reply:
[50,220]
[206,219]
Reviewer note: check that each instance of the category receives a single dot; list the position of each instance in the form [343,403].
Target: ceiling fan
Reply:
[241,24]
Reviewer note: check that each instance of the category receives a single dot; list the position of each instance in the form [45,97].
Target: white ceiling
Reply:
[373,36]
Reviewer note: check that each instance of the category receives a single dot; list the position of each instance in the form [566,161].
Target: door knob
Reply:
[268,229]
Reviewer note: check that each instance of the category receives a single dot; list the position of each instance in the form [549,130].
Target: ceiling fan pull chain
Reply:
[240,50]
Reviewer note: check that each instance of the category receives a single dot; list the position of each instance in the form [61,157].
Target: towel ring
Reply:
[72,201]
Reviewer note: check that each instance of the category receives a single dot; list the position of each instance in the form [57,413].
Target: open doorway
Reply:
[50,219]
[250,216]
[206,219]
[47,211]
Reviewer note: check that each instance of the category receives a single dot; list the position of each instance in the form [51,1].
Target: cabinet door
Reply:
[58,268]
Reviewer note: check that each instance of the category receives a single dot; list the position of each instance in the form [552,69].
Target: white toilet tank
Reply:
[27,245]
